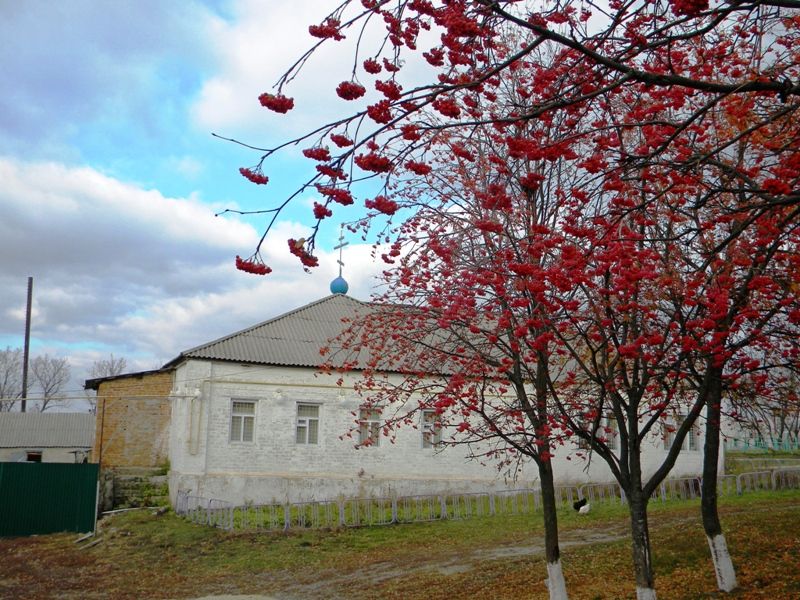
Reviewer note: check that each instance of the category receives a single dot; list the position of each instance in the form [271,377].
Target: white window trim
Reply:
[691,443]
[369,428]
[429,429]
[613,435]
[242,416]
[306,421]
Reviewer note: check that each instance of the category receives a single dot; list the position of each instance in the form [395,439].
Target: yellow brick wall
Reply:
[132,426]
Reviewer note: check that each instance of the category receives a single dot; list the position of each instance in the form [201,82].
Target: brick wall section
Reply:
[133,414]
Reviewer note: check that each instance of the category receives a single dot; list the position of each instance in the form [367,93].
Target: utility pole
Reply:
[26,351]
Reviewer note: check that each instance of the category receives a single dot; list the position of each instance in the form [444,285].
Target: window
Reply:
[243,420]
[612,432]
[369,427]
[33,457]
[584,425]
[307,424]
[431,429]
[690,443]
[669,436]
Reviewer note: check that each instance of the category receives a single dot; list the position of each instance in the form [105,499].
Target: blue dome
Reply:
[339,286]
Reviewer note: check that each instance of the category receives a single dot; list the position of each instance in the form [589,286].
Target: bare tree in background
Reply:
[50,374]
[105,367]
[10,377]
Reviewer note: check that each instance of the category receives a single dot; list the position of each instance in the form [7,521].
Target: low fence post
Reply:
[222,514]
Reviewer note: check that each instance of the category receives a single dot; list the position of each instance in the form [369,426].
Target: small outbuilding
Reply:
[46,437]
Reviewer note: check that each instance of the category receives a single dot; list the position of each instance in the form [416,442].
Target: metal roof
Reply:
[94,384]
[46,430]
[292,339]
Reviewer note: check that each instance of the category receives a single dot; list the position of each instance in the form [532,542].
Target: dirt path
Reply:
[334,584]
[329,584]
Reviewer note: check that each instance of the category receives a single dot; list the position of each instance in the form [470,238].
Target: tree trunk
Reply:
[640,541]
[723,566]
[555,577]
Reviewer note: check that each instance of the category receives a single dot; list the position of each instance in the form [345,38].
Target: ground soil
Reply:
[43,567]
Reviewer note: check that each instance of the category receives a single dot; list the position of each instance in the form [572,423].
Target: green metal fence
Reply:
[38,498]
[761,444]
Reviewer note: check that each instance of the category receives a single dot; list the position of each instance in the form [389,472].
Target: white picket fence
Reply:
[359,512]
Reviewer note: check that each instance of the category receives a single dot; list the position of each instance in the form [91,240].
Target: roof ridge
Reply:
[246,330]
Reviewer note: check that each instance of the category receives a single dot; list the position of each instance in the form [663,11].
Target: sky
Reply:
[110,177]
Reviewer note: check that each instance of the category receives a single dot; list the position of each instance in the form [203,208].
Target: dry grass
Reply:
[141,555]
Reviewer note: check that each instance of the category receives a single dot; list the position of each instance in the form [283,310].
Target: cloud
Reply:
[109,199]
[69,64]
[259,44]
[122,269]
[97,246]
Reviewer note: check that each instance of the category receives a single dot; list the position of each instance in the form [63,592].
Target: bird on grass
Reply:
[582,506]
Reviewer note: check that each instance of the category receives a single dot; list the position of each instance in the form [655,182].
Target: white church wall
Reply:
[273,466]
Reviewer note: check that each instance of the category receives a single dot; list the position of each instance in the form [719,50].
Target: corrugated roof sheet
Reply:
[46,430]
[292,339]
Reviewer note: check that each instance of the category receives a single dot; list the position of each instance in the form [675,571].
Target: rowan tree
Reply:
[469,341]
[679,119]
[694,57]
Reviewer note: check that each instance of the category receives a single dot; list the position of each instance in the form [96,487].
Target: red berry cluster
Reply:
[380,112]
[317,153]
[331,172]
[254,175]
[297,247]
[418,168]
[382,204]
[372,66]
[340,195]
[252,265]
[320,211]
[390,66]
[350,90]
[489,226]
[373,162]
[279,103]
[531,181]
[448,107]
[690,8]
[461,152]
[341,140]
[329,29]
[390,89]
[410,132]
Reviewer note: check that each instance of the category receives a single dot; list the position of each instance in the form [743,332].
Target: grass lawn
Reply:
[141,555]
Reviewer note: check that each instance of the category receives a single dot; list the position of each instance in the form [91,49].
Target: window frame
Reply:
[690,442]
[243,417]
[431,434]
[306,424]
[612,435]
[369,427]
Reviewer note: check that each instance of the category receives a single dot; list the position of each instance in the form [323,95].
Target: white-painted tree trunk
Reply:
[643,593]
[555,581]
[723,566]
